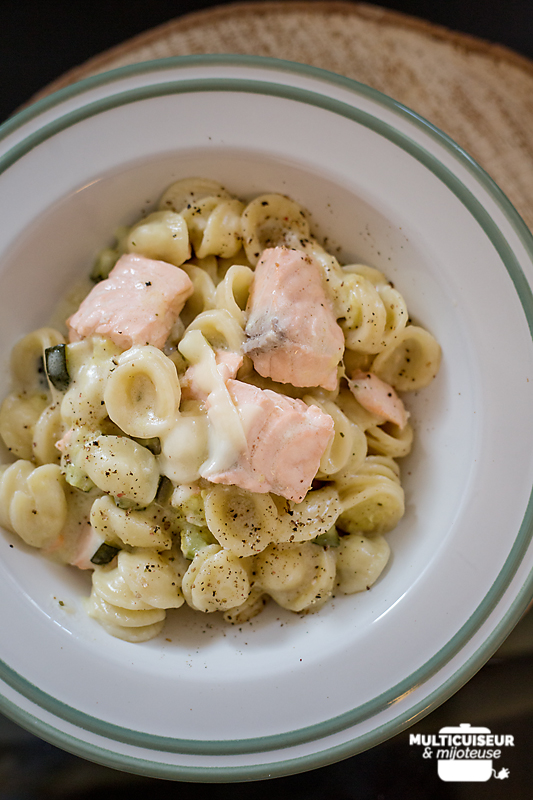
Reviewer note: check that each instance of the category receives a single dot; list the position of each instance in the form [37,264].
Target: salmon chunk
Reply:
[293,336]
[379,398]
[88,543]
[285,442]
[228,364]
[137,304]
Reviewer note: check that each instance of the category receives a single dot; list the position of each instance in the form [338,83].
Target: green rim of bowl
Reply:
[233,747]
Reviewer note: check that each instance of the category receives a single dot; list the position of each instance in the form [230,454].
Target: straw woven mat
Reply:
[479,93]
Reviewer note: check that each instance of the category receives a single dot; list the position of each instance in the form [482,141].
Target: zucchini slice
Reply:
[164,490]
[55,363]
[194,539]
[104,554]
[330,538]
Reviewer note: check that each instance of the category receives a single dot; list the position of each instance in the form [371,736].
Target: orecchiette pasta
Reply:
[188,191]
[121,467]
[395,308]
[297,576]
[220,329]
[162,235]
[19,414]
[32,502]
[233,290]
[142,394]
[90,362]
[130,598]
[212,215]
[216,580]
[271,220]
[119,610]
[373,502]
[390,440]
[311,518]
[242,522]
[252,606]
[27,366]
[253,455]
[360,561]
[47,432]
[155,578]
[365,315]
[203,296]
[149,527]
[410,361]
[137,624]
[215,226]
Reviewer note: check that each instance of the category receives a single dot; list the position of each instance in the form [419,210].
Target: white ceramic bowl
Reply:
[283,693]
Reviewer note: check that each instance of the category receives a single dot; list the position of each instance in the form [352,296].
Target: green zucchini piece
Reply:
[78,478]
[328,539]
[164,490]
[104,554]
[55,364]
[194,539]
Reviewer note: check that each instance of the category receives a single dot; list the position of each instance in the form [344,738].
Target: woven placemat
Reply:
[480,94]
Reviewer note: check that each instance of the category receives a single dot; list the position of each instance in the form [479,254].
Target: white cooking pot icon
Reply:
[464,769]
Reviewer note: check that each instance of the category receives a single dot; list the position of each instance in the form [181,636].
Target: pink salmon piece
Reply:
[379,398]
[293,336]
[137,304]
[76,546]
[286,440]
[228,364]
[88,543]
[63,444]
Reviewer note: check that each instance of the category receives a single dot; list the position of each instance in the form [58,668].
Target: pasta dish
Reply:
[220,421]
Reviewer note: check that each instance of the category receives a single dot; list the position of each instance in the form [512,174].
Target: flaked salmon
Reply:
[293,336]
[137,304]
[228,364]
[379,398]
[88,543]
[285,442]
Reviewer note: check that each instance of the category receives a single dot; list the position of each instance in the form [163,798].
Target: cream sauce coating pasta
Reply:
[207,469]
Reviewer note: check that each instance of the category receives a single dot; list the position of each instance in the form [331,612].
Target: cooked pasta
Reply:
[233,290]
[121,467]
[216,580]
[203,296]
[297,576]
[46,433]
[163,235]
[242,522]
[19,416]
[33,502]
[149,527]
[271,220]
[212,216]
[130,598]
[222,427]
[360,561]
[27,367]
[142,394]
